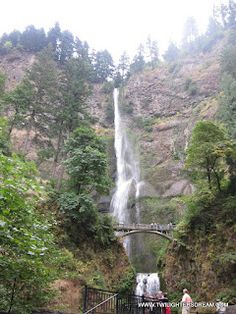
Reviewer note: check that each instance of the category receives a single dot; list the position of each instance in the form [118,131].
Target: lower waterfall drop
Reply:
[147,285]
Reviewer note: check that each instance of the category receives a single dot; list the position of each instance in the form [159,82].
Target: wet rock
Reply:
[181,187]
[104,204]
[147,190]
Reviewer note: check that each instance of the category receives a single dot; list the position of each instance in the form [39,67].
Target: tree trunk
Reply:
[217,180]
[12,295]
[58,149]
[209,177]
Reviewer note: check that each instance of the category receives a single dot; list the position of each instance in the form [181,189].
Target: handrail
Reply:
[103,302]
[153,226]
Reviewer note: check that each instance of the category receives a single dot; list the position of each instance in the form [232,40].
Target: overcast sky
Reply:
[116,25]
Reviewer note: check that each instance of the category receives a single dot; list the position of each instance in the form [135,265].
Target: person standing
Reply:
[186,302]
[165,304]
[220,307]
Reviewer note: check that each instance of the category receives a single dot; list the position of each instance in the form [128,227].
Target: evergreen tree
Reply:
[19,102]
[225,14]
[152,52]
[123,66]
[82,49]
[138,63]
[32,39]
[227,108]
[103,66]
[172,53]
[213,27]
[232,14]
[53,38]
[66,46]
[15,38]
[190,30]
[36,100]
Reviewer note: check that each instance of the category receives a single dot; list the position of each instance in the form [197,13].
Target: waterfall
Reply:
[127,169]
[128,184]
[147,284]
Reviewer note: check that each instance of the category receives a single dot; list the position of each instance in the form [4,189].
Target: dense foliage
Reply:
[87,167]
[26,244]
[208,154]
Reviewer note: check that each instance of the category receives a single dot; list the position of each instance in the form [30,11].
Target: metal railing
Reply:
[150,227]
[98,301]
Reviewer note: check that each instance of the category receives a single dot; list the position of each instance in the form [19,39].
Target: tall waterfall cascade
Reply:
[128,174]
[128,184]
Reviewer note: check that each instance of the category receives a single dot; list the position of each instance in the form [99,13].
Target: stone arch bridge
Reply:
[165,231]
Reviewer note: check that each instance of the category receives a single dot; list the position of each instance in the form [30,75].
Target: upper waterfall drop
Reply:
[128,175]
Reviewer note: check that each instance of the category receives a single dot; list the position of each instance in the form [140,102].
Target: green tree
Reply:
[213,26]
[72,110]
[190,32]
[4,137]
[172,53]
[25,241]
[138,63]
[225,14]
[82,49]
[2,84]
[227,108]
[15,38]
[18,102]
[65,46]
[32,39]
[232,14]
[43,79]
[103,66]
[206,154]
[228,57]
[53,38]
[152,52]
[87,163]
[123,66]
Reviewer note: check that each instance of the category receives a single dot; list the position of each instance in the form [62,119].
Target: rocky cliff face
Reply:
[166,103]
[14,65]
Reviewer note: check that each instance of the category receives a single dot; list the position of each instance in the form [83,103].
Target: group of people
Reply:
[156,226]
[160,301]
[186,301]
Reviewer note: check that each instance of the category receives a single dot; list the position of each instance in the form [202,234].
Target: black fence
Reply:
[98,301]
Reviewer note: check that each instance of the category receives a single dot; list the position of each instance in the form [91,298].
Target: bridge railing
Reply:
[153,226]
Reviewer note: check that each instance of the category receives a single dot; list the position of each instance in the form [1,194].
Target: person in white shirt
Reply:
[220,307]
[186,302]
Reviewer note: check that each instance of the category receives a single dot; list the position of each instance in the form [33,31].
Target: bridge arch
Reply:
[164,235]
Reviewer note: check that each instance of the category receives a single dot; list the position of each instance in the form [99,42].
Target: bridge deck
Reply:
[144,227]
